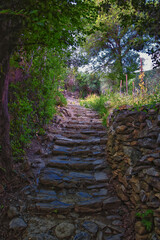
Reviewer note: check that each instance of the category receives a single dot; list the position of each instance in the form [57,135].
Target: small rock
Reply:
[142,237]
[100,224]
[154,237]
[112,217]
[17,224]
[99,236]
[140,228]
[64,230]
[143,196]
[154,203]
[90,226]
[82,236]
[158,139]
[152,172]
[101,176]
[108,231]
[115,237]
[74,215]
[121,129]
[12,212]
[157,162]
[111,201]
[42,236]
[149,123]
[117,222]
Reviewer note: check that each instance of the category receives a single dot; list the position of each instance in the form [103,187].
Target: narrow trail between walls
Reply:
[73,197]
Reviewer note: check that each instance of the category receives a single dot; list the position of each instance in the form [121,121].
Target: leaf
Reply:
[5,11]
[40,23]
[33,12]
[3,169]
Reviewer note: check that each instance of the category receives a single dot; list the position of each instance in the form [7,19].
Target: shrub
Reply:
[33,100]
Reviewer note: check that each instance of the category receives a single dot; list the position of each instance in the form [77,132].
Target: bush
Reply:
[33,100]
[104,103]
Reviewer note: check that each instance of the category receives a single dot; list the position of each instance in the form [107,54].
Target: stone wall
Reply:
[133,152]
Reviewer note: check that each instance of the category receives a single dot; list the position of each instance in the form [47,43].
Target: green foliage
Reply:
[55,211]
[56,23]
[146,218]
[87,83]
[110,46]
[1,206]
[34,98]
[105,103]
[3,169]
[98,104]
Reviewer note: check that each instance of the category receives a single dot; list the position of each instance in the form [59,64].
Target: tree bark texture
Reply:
[9,31]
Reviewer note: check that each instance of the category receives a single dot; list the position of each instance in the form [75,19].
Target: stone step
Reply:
[64,141]
[82,151]
[85,126]
[54,207]
[89,116]
[71,196]
[82,122]
[78,133]
[53,177]
[74,186]
[93,133]
[91,205]
[85,119]
[75,120]
[80,164]
[77,109]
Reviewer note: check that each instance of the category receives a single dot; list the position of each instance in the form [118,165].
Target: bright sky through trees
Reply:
[147,64]
[147,61]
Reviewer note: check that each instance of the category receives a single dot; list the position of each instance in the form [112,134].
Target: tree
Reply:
[110,45]
[31,24]
[87,83]
[146,18]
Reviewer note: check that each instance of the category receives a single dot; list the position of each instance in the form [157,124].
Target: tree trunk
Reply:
[5,158]
[9,33]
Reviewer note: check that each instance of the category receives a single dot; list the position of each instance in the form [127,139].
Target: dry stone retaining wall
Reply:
[133,151]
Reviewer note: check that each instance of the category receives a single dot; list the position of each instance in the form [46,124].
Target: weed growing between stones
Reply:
[146,218]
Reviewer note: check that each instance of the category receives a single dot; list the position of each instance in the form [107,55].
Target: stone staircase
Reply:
[73,198]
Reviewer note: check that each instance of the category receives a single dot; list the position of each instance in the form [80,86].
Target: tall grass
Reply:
[105,103]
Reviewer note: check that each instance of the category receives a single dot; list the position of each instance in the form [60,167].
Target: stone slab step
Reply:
[70,196]
[84,203]
[54,207]
[76,165]
[85,126]
[64,141]
[54,177]
[89,206]
[98,204]
[85,133]
[87,151]
[92,132]
[85,122]
[85,119]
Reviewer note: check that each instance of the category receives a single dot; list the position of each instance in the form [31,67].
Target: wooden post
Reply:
[133,91]
[141,65]
[121,87]
[126,84]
